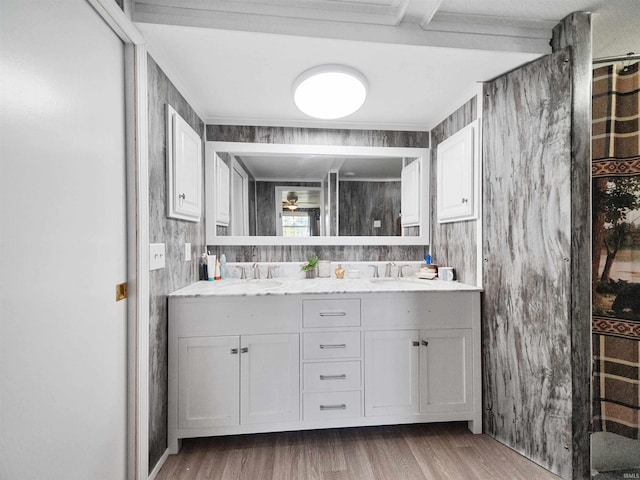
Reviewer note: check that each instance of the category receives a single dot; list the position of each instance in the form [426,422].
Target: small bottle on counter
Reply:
[339,271]
[217,273]
[223,266]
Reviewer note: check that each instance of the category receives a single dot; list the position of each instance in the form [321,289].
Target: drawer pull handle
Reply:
[342,406]
[333,314]
[244,349]
[425,343]
[337,345]
[234,351]
[334,377]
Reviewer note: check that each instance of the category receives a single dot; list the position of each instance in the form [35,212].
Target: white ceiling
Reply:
[235,62]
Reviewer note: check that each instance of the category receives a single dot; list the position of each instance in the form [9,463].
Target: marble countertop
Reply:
[296,286]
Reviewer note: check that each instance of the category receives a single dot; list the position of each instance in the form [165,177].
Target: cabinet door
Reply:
[457,169]
[446,370]
[209,381]
[391,372]
[184,167]
[410,194]
[270,385]
[222,192]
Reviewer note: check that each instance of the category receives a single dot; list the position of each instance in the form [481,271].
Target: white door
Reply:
[410,194]
[222,192]
[270,385]
[209,373]
[63,340]
[240,203]
[446,371]
[391,372]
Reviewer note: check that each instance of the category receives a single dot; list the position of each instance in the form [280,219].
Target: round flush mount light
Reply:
[329,92]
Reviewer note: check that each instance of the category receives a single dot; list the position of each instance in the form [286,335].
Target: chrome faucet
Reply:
[375,271]
[256,271]
[270,270]
[243,272]
[400,274]
[387,269]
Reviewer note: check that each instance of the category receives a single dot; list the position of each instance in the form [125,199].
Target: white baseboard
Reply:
[159,465]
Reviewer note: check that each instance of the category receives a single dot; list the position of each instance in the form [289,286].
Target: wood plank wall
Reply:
[575,32]
[526,248]
[174,233]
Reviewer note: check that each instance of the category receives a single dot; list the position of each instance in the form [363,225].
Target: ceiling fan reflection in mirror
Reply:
[291,202]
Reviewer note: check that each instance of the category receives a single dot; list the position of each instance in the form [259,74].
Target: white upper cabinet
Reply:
[458,175]
[184,169]
[411,197]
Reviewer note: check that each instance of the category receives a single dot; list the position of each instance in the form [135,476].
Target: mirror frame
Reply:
[238,148]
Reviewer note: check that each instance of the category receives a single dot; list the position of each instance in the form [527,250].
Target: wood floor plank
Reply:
[288,462]
[445,451]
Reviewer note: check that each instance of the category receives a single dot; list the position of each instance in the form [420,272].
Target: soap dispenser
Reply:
[339,271]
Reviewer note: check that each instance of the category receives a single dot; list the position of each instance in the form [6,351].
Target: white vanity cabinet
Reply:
[418,371]
[214,370]
[266,363]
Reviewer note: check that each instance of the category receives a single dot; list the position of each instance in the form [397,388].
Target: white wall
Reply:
[62,244]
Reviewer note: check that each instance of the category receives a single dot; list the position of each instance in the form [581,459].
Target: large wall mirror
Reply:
[277,194]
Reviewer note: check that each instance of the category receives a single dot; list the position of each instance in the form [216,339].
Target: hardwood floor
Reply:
[426,451]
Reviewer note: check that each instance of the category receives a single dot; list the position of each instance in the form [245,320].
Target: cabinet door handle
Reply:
[244,349]
[182,196]
[234,351]
[337,345]
[425,343]
[333,377]
[342,406]
[333,314]
[416,344]
[465,200]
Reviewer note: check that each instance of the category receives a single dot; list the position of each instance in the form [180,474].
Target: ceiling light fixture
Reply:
[329,92]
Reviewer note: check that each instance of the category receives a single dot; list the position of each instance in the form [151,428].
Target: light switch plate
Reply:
[187,252]
[156,256]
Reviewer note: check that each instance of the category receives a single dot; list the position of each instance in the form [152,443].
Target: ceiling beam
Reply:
[445,30]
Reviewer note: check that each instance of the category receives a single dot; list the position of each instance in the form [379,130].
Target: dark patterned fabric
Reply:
[616,237]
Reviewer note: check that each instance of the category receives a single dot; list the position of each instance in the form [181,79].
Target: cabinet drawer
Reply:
[331,345]
[330,405]
[341,312]
[331,376]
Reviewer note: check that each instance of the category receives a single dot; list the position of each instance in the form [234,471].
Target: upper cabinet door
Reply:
[458,170]
[411,194]
[184,169]
[222,192]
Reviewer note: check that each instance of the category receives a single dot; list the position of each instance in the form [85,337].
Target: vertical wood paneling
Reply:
[575,31]
[299,253]
[173,233]
[317,136]
[363,202]
[453,244]
[527,276]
